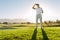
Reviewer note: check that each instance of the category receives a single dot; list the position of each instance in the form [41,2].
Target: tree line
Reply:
[45,22]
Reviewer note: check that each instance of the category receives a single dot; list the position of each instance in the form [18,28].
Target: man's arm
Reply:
[42,11]
[33,7]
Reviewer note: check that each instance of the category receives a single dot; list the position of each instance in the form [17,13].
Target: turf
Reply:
[28,33]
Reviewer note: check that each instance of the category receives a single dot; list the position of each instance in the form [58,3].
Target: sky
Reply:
[22,9]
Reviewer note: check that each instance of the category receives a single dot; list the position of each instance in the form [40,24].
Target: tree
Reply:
[57,21]
[50,22]
[45,22]
[5,22]
[0,22]
[28,23]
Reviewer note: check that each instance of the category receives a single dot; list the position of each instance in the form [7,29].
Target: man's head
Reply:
[37,5]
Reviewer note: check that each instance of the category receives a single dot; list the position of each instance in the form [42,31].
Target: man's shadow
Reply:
[34,34]
[45,37]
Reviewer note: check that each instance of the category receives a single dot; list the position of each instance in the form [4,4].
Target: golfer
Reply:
[39,13]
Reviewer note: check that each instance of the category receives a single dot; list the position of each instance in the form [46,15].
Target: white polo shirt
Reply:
[38,11]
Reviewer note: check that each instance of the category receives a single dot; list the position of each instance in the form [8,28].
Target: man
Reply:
[39,13]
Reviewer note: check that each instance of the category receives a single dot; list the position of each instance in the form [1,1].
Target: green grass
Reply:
[28,33]
[27,25]
[17,25]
